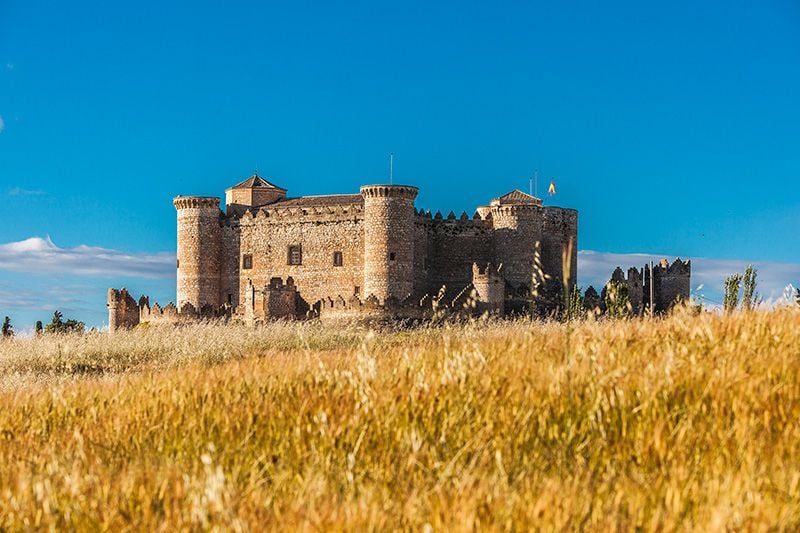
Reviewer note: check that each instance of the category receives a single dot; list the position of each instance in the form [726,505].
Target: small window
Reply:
[357,290]
[230,298]
[295,255]
[177,263]
[391,256]
[247,262]
[337,259]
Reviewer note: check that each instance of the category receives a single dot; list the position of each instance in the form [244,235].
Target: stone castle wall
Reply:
[123,311]
[446,248]
[671,283]
[268,236]
[275,300]
[371,244]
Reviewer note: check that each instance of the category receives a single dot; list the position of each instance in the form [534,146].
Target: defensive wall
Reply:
[671,285]
[374,243]
[358,247]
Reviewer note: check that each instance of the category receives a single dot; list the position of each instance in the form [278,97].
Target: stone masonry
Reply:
[671,286]
[367,253]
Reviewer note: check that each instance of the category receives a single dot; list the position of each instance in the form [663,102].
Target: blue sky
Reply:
[674,128]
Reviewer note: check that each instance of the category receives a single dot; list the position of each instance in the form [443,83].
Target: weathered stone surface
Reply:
[370,253]
[199,241]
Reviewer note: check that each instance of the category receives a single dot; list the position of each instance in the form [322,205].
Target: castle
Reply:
[371,254]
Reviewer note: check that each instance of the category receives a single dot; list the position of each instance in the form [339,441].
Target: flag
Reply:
[551,190]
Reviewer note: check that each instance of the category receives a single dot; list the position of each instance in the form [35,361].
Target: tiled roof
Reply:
[517,197]
[316,201]
[256,181]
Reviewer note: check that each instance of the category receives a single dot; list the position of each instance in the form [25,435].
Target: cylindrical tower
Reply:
[560,242]
[199,239]
[388,240]
[113,309]
[517,229]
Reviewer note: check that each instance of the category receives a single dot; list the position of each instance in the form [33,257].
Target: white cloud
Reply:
[39,285]
[42,256]
[708,275]
[19,191]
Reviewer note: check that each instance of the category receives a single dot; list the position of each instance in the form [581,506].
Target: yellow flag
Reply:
[551,190]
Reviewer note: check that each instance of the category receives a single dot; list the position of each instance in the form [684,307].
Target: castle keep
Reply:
[268,255]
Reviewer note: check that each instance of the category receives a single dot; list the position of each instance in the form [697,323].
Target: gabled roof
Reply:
[516,197]
[256,181]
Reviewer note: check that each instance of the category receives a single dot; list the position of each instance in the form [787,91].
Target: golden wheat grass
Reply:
[691,422]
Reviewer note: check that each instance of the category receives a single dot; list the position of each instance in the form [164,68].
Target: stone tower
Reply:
[490,288]
[517,221]
[199,239]
[388,240]
[560,235]
[671,283]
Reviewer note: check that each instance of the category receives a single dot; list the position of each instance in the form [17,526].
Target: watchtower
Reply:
[199,239]
[388,240]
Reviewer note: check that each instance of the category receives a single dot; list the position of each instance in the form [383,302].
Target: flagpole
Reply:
[391,168]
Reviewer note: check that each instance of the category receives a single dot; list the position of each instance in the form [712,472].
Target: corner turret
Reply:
[199,241]
[517,221]
[388,240]
[490,288]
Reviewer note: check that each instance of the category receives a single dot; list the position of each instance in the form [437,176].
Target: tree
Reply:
[797,296]
[732,284]
[58,325]
[750,299]
[8,330]
[38,328]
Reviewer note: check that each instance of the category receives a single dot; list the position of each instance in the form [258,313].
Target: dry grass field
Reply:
[686,423]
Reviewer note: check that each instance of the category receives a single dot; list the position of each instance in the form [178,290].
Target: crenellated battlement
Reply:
[670,284]
[487,272]
[354,308]
[407,192]
[271,255]
[450,225]
[515,210]
[634,275]
[124,312]
[196,202]
[426,215]
[282,215]
[677,268]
